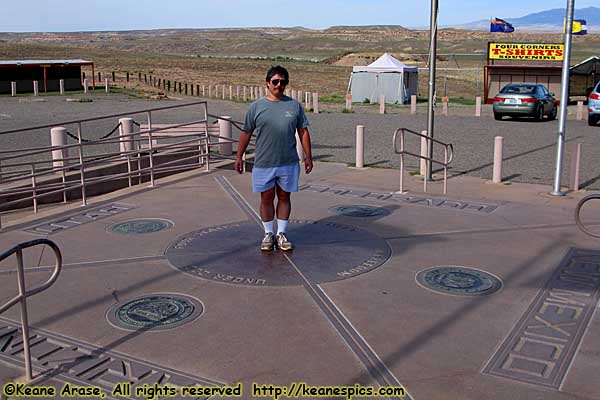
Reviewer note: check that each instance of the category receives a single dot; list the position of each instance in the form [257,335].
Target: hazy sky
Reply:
[85,15]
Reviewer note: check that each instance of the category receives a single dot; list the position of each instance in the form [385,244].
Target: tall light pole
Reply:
[431,90]
[564,99]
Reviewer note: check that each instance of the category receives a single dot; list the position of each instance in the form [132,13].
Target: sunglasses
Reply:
[276,82]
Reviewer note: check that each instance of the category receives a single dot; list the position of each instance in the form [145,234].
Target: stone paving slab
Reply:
[369,322]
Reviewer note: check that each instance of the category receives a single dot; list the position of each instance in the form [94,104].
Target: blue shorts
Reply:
[286,176]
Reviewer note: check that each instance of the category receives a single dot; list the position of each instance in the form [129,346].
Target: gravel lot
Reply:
[529,147]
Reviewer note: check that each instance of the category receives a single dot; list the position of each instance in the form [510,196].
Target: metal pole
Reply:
[564,99]
[430,109]
[24,316]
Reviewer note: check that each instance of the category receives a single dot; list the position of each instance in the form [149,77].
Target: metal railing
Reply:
[578,220]
[28,175]
[448,155]
[24,293]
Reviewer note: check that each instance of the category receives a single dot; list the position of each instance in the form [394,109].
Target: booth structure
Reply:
[385,76]
[585,76]
[539,63]
[47,72]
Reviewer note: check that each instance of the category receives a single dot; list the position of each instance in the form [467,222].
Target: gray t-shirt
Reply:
[275,123]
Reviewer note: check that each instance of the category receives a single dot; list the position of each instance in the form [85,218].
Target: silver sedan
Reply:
[525,100]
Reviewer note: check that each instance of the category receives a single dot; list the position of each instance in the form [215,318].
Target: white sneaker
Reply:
[283,243]
[268,242]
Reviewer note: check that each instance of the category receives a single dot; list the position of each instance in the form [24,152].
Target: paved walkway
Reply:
[360,301]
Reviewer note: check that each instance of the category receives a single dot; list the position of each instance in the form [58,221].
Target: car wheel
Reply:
[592,120]
[497,117]
[553,113]
[539,113]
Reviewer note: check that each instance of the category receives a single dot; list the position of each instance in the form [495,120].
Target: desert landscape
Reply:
[318,60]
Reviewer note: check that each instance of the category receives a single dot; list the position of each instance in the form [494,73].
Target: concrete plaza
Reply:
[487,292]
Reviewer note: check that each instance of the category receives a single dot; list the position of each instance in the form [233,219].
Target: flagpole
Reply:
[564,99]
[431,94]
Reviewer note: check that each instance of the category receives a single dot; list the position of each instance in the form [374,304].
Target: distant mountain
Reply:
[544,21]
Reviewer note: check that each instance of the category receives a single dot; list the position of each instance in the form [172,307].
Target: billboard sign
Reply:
[526,51]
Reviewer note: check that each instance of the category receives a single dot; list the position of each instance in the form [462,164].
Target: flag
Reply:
[579,26]
[500,25]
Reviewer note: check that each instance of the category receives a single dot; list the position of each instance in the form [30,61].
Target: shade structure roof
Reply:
[385,63]
[43,62]
[587,67]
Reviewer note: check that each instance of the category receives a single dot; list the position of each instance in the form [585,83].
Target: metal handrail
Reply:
[104,117]
[19,180]
[24,293]
[448,155]
[578,208]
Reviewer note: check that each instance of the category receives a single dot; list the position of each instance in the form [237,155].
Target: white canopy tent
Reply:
[387,76]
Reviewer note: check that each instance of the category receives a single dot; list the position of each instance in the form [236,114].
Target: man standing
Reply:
[275,119]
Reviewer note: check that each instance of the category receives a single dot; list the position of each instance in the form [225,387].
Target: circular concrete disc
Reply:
[140,226]
[323,252]
[155,312]
[461,281]
[359,211]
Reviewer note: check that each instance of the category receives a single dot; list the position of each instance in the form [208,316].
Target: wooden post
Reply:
[13,88]
[381,104]
[349,102]
[106,86]
[127,76]
[245,94]
[497,171]
[36,90]
[58,138]
[574,171]
[316,102]
[445,106]
[579,110]
[422,162]
[113,76]
[360,146]
[237,92]
[225,133]
[413,104]
[478,106]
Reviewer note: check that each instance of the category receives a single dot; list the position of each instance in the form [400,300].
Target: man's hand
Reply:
[308,165]
[239,165]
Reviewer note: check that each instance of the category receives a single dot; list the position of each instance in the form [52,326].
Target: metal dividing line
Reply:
[90,264]
[354,340]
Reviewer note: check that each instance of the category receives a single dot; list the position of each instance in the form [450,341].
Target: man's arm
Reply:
[242,144]
[305,140]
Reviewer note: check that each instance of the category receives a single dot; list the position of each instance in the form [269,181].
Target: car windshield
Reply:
[520,89]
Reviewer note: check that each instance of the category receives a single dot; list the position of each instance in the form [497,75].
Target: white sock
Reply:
[268,226]
[281,225]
